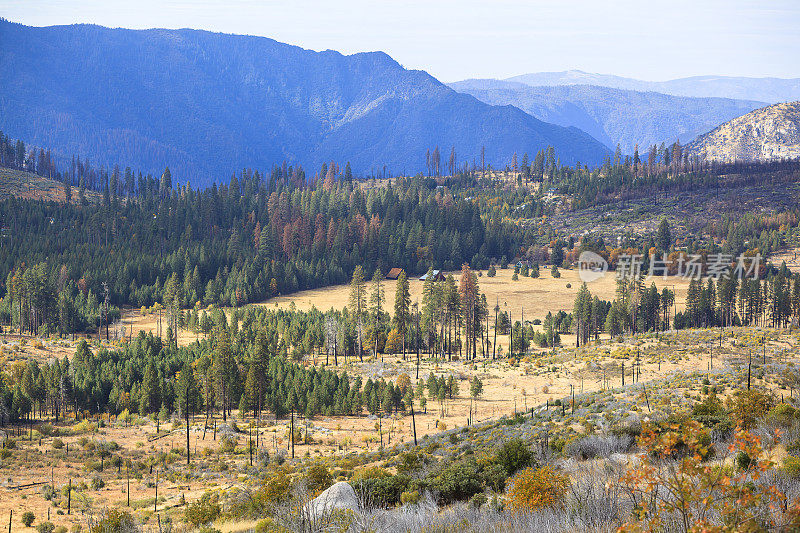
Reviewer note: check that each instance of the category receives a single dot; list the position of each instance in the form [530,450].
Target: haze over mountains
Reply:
[613,116]
[209,104]
[770,90]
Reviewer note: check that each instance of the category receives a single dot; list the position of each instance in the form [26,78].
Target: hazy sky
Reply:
[456,39]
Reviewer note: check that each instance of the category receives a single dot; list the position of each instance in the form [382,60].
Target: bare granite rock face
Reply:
[339,496]
[767,134]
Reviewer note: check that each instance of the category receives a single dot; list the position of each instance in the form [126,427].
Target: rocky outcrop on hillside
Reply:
[767,134]
[338,497]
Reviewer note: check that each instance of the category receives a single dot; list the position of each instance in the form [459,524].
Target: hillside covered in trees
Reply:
[205,104]
[126,238]
[244,241]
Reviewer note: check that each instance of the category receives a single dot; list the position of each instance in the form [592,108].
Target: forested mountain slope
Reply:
[207,104]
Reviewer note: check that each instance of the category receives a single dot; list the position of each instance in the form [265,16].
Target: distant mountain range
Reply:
[770,90]
[207,104]
[766,134]
[613,116]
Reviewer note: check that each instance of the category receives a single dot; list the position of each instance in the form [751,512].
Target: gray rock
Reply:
[339,496]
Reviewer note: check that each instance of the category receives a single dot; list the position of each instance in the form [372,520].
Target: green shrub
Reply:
[710,412]
[743,460]
[227,444]
[749,406]
[318,478]
[409,462]
[479,500]
[557,445]
[45,527]
[456,481]
[793,448]
[383,491]
[514,455]
[791,466]
[783,415]
[724,427]
[369,472]
[265,525]
[517,419]
[494,476]
[409,497]
[57,443]
[48,492]
[27,518]
[203,511]
[115,521]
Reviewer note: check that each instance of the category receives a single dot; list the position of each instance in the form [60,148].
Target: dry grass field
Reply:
[22,347]
[533,296]
[790,256]
[15,183]
[509,386]
[133,321]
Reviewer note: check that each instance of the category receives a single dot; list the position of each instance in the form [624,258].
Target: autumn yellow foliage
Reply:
[536,488]
[394,342]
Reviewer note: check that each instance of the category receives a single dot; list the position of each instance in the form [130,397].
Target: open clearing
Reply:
[19,184]
[533,296]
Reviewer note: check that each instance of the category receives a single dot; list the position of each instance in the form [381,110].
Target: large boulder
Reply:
[339,496]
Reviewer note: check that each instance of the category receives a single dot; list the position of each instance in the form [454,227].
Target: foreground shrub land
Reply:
[690,429]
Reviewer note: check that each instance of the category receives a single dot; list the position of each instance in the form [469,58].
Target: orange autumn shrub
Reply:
[673,465]
[536,488]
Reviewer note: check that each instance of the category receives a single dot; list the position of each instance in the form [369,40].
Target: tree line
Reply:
[246,241]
